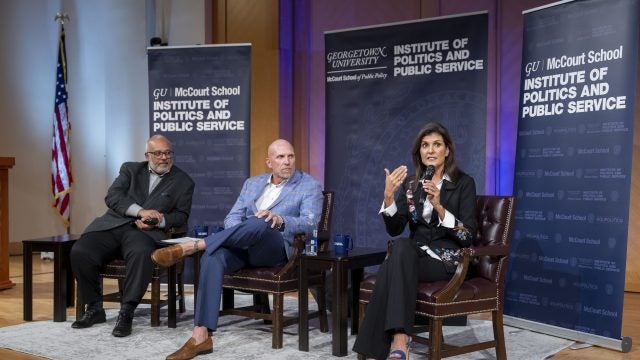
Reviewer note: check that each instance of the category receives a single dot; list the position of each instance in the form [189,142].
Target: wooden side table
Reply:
[354,262]
[63,285]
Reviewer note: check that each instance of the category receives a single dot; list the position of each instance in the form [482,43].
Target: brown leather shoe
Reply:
[168,256]
[190,350]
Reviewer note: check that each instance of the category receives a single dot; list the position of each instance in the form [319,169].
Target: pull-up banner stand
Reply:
[383,84]
[573,171]
[199,98]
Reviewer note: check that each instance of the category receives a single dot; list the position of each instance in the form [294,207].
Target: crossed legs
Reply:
[250,243]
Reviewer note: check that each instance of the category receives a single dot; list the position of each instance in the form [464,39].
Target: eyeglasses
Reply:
[158,154]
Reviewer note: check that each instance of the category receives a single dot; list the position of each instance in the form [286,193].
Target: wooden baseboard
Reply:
[632,287]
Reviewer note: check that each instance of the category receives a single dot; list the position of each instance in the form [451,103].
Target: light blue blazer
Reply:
[299,204]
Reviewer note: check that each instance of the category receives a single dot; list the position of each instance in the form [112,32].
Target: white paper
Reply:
[430,252]
[179,240]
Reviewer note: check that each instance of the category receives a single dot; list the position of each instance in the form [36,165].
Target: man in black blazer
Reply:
[145,199]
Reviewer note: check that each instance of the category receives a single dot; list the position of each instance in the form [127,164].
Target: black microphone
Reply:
[428,175]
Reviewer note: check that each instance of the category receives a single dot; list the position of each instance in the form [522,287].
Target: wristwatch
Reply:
[281,226]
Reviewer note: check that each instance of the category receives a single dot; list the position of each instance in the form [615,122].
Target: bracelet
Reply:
[195,245]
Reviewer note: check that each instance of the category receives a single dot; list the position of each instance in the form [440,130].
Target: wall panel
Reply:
[255,22]
[632,280]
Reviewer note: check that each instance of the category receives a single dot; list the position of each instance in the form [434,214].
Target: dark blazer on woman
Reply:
[457,196]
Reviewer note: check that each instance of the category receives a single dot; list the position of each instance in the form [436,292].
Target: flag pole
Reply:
[62,196]
[60,159]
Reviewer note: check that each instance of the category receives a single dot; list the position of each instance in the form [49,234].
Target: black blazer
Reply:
[457,196]
[172,197]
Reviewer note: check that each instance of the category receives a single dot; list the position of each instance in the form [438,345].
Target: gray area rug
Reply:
[236,338]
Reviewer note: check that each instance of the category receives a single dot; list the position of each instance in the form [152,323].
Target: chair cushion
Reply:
[117,269]
[475,295]
[472,289]
[264,279]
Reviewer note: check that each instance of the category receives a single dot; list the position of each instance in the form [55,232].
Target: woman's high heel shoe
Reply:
[399,354]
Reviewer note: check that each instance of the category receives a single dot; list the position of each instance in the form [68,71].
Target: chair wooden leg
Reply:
[261,305]
[322,309]
[227,299]
[498,334]
[155,302]
[278,319]
[79,306]
[435,339]
[181,305]
[363,310]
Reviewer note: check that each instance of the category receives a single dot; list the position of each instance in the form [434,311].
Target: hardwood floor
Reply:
[11,313]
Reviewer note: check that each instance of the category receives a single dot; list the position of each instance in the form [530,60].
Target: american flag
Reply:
[61,178]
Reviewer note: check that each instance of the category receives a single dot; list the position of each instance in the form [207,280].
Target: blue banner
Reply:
[383,84]
[573,166]
[199,97]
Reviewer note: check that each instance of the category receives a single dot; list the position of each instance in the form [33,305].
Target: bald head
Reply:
[279,144]
[281,159]
[158,140]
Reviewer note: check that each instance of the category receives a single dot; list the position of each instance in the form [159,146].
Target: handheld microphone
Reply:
[428,175]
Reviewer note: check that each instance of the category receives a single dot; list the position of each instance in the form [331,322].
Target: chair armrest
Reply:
[491,250]
[292,264]
[447,293]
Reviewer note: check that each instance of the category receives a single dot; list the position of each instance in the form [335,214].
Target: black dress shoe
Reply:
[91,316]
[123,325]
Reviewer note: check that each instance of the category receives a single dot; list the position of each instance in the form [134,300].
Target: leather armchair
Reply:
[476,287]
[279,280]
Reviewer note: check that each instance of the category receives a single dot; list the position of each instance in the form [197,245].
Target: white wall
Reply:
[108,104]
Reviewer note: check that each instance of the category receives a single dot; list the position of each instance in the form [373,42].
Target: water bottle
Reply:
[312,245]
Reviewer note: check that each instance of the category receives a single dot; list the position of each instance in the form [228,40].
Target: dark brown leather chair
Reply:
[477,286]
[117,269]
[277,281]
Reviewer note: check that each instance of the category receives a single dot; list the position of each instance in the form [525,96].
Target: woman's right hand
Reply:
[392,183]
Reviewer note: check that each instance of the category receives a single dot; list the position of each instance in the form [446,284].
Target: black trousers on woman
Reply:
[393,302]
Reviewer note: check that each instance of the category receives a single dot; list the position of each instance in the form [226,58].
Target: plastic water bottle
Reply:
[312,246]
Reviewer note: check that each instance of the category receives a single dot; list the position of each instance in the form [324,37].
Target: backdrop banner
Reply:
[200,98]
[573,167]
[383,84]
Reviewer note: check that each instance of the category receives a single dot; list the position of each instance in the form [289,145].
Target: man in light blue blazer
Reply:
[259,231]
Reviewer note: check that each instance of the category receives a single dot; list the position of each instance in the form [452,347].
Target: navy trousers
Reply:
[252,243]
